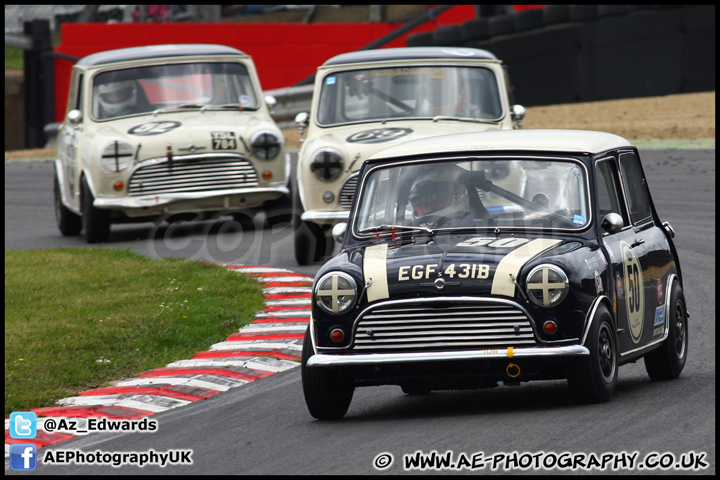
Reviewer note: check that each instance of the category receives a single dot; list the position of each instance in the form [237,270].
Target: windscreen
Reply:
[409,92]
[507,193]
[145,89]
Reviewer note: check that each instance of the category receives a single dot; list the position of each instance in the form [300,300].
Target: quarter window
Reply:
[607,190]
[638,198]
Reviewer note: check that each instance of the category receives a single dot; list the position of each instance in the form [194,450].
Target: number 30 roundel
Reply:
[635,296]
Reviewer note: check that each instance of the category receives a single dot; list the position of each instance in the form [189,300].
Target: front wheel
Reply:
[667,361]
[96,222]
[310,240]
[592,379]
[68,222]
[327,393]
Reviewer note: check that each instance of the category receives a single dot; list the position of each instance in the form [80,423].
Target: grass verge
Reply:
[79,318]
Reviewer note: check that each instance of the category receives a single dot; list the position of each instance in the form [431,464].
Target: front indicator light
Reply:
[547,285]
[550,327]
[337,335]
[267,175]
[118,186]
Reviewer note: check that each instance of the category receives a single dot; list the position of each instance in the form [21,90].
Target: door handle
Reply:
[637,242]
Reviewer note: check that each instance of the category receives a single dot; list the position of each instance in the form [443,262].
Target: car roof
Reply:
[410,53]
[155,51]
[582,141]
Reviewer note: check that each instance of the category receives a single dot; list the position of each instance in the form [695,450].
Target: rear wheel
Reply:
[667,361]
[592,379]
[327,393]
[68,222]
[96,222]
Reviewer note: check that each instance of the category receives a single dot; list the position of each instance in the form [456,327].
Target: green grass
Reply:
[14,58]
[79,318]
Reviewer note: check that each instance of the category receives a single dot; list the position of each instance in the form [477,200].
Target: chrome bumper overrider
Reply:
[322,360]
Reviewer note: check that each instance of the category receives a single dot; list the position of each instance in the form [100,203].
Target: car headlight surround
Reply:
[265,144]
[326,164]
[116,156]
[335,293]
[547,285]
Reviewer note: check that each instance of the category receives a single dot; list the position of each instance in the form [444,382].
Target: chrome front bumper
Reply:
[164,199]
[325,218]
[332,360]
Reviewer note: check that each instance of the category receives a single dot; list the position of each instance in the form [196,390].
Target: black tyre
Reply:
[96,222]
[68,223]
[667,361]
[327,393]
[246,219]
[592,379]
[311,242]
[411,389]
[278,211]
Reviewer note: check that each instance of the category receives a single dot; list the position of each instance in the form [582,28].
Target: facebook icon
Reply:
[23,456]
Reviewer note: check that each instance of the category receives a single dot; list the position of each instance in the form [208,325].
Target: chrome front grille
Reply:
[456,326]
[195,173]
[347,192]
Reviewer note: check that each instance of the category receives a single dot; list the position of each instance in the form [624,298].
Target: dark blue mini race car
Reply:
[509,256]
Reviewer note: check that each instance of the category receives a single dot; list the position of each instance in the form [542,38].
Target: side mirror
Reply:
[668,228]
[612,223]
[517,113]
[74,116]
[270,101]
[338,232]
[302,120]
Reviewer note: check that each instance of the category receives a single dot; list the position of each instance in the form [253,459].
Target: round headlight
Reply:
[336,292]
[116,156]
[547,285]
[265,145]
[326,164]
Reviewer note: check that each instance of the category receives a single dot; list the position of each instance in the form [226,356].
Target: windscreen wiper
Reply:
[179,107]
[461,119]
[393,229]
[227,106]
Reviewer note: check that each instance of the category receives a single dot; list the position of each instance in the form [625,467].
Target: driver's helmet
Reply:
[116,97]
[438,194]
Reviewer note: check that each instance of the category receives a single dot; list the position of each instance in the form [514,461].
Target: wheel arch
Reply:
[590,317]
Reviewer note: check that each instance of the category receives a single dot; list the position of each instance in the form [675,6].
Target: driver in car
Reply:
[439,200]
[117,98]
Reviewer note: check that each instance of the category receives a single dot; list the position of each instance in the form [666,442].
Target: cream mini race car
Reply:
[369,100]
[167,129]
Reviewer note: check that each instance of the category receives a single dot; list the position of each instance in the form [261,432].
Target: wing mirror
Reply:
[270,101]
[74,116]
[612,223]
[517,113]
[338,232]
[302,120]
